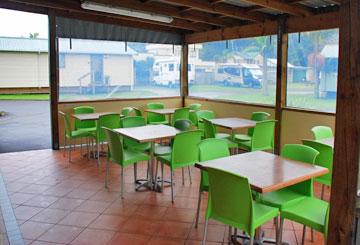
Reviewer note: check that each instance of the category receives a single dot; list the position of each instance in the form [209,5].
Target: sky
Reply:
[20,24]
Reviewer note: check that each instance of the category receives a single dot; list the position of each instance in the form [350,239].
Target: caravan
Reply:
[242,75]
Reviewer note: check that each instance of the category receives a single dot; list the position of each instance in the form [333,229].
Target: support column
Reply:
[347,131]
[184,82]
[281,80]
[53,80]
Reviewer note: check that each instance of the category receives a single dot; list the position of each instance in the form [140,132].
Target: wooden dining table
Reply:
[152,134]
[266,172]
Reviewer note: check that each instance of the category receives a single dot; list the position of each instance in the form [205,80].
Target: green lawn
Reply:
[24,96]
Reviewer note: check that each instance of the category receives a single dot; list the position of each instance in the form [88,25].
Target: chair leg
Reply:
[251,241]
[87,147]
[81,151]
[107,172]
[198,209]
[277,230]
[135,172]
[156,172]
[230,233]
[304,235]
[189,175]
[312,235]
[279,241]
[322,191]
[64,153]
[122,182]
[162,176]
[98,153]
[70,150]
[205,231]
[183,178]
[172,186]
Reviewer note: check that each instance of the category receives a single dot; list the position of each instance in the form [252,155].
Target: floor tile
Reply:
[126,238]
[79,219]
[108,222]
[41,201]
[93,206]
[61,234]
[26,212]
[140,226]
[174,230]
[51,216]
[32,230]
[66,203]
[165,241]
[93,237]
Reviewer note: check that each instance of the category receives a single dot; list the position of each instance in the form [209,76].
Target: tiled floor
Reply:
[55,202]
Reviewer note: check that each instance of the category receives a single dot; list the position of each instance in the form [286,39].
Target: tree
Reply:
[34,35]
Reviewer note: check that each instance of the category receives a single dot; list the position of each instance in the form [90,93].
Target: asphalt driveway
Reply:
[26,125]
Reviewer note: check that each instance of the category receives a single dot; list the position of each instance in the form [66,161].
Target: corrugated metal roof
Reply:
[79,46]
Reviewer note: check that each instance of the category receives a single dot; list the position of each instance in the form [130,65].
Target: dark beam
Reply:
[223,9]
[347,130]
[281,6]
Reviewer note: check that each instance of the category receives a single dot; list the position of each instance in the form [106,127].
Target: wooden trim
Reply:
[231,102]
[116,99]
[281,80]
[293,24]
[347,130]
[184,73]
[309,111]
[54,80]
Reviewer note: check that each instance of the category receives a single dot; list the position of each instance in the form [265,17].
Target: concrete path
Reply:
[26,125]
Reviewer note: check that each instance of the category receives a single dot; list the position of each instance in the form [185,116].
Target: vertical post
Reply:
[54,80]
[347,131]
[184,83]
[281,80]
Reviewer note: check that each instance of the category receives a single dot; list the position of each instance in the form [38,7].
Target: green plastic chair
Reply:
[209,149]
[111,121]
[181,156]
[292,194]
[88,126]
[193,118]
[310,212]
[130,122]
[154,118]
[137,112]
[210,132]
[195,106]
[181,113]
[255,116]
[70,134]
[118,155]
[324,159]
[230,202]
[183,124]
[262,139]
[126,111]
[322,132]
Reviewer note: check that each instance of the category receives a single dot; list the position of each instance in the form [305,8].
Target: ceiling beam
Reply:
[223,9]
[159,8]
[282,7]
[74,6]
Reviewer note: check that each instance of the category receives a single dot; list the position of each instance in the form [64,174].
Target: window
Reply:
[312,70]
[108,69]
[237,70]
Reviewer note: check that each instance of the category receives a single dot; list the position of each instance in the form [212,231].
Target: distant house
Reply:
[83,64]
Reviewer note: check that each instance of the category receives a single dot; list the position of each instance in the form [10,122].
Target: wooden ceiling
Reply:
[189,16]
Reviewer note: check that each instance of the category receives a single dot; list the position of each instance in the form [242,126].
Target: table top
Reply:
[328,141]
[266,172]
[149,133]
[233,123]
[165,111]
[92,116]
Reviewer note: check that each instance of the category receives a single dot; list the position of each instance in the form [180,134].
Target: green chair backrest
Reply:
[258,116]
[84,124]
[301,153]
[205,114]
[67,125]
[129,122]
[181,113]
[322,132]
[137,112]
[182,124]
[185,151]
[115,147]
[110,121]
[195,106]
[324,159]
[263,136]
[210,149]
[126,111]
[154,117]
[209,129]
[230,200]
[193,118]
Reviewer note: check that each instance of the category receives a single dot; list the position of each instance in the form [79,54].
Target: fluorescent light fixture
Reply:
[125,12]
